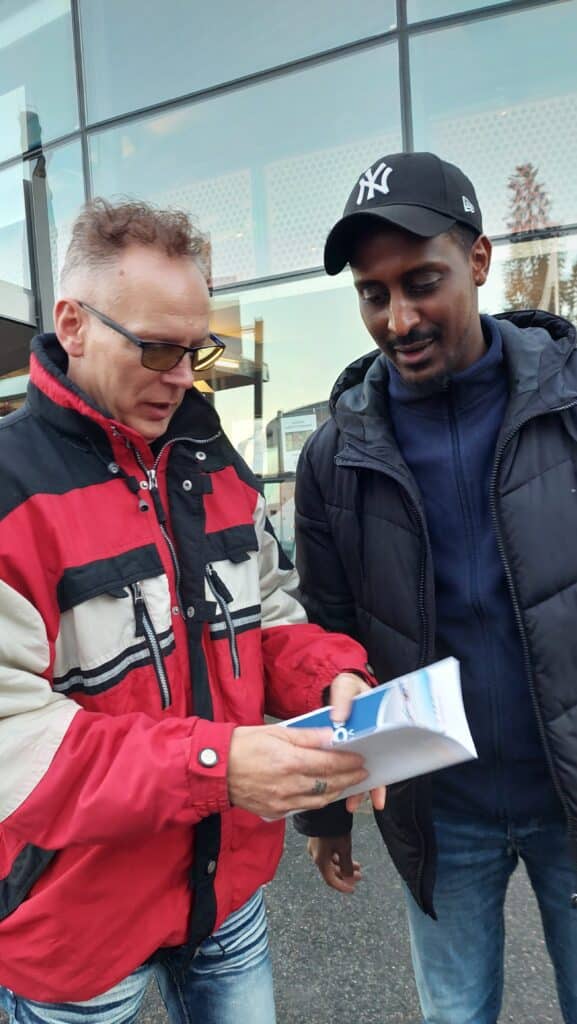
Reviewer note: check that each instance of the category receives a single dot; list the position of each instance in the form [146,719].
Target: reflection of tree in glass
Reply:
[529,206]
[535,281]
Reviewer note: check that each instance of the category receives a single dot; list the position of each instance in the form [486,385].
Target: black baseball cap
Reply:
[415,191]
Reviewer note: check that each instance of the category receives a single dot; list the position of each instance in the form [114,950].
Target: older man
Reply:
[147,620]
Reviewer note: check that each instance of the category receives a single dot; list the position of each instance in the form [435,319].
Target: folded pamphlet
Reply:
[410,726]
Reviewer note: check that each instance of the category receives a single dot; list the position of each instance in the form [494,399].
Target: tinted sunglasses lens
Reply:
[161,357]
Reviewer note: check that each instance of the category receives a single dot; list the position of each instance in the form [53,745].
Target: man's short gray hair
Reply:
[103,229]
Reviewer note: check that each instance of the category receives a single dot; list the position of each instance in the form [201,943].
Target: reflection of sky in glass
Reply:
[36,73]
[65,196]
[516,102]
[14,266]
[422,10]
[65,180]
[184,47]
[266,169]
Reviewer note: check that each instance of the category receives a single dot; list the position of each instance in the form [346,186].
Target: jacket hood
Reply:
[54,396]
[540,354]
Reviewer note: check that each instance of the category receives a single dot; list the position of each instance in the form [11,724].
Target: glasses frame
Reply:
[218,344]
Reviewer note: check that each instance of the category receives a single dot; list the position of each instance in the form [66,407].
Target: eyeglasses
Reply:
[164,355]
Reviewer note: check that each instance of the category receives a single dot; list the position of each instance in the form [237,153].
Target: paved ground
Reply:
[347,960]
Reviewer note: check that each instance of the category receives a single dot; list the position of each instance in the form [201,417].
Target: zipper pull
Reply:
[219,585]
[138,602]
[155,495]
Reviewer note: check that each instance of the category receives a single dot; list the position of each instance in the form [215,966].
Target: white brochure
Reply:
[410,726]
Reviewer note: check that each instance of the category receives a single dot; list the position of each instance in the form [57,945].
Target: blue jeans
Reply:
[229,981]
[458,960]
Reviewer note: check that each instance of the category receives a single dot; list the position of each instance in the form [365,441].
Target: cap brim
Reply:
[416,219]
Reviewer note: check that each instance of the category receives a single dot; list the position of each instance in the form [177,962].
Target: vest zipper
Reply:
[222,596]
[145,627]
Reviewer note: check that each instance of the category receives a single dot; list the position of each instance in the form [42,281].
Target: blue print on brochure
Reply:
[406,700]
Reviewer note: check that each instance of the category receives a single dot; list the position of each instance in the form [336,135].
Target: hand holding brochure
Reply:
[410,726]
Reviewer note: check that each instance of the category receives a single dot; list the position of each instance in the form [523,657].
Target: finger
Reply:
[344,885]
[343,688]
[329,763]
[346,866]
[318,739]
[304,799]
[323,788]
[355,877]
[354,802]
[378,797]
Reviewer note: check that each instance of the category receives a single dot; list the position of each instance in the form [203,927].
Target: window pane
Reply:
[65,197]
[302,333]
[180,47]
[37,76]
[534,274]
[265,169]
[55,192]
[509,111]
[14,261]
[421,10]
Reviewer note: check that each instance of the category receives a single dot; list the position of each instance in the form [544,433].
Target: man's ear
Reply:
[69,324]
[480,257]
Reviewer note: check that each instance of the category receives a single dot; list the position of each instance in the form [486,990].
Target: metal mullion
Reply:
[405,79]
[46,147]
[81,94]
[480,14]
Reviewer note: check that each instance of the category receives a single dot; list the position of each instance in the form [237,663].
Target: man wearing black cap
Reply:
[436,514]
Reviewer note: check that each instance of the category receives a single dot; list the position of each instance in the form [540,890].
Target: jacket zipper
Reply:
[145,627]
[222,596]
[515,602]
[476,603]
[424,653]
[158,506]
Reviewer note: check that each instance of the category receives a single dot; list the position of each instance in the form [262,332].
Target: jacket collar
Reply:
[53,397]
[540,358]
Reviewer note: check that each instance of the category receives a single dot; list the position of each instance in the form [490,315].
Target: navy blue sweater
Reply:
[448,439]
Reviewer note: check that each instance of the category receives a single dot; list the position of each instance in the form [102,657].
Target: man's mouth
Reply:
[414,352]
[159,410]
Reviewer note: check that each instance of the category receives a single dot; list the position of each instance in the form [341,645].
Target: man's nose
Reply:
[402,315]
[181,375]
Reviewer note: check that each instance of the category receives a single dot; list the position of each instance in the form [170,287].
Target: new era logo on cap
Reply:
[418,192]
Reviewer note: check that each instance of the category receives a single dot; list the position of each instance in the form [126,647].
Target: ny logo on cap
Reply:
[370,182]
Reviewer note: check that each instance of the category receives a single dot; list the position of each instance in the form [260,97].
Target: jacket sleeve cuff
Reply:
[333,820]
[208,767]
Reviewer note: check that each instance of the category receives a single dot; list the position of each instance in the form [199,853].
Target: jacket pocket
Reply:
[144,627]
[115,619]
[223,598]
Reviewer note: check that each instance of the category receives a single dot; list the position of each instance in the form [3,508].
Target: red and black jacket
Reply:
[146,609]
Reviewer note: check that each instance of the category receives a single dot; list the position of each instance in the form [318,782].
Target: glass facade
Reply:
[256,118]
